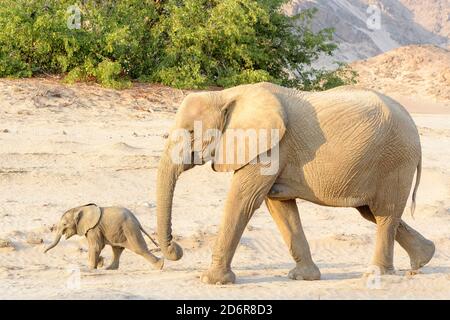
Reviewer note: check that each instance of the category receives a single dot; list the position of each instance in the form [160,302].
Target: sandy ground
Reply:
[61,147]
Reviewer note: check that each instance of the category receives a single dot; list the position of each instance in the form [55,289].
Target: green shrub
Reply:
[113,43]
[107,73]
[327,79]
[186,44]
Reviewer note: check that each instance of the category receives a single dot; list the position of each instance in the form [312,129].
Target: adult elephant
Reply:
[345,147]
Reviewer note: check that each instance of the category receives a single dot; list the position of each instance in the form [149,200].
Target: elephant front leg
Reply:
[95,248]
[94,257]
[230,232]
[285,213]
[247,192]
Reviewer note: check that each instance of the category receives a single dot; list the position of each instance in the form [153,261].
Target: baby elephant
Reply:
[115,226]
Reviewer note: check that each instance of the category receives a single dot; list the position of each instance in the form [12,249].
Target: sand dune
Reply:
[87,144]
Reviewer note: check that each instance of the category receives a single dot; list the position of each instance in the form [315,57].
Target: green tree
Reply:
[230,42]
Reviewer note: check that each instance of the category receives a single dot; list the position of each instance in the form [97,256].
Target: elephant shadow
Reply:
[284,267]
[435,270]
[255,279]
[261,279]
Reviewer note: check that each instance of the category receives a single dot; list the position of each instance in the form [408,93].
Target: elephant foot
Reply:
[218,276]
[112,266]
[378,270]
[411,273]
[422,255]
[305,272]
[159,264]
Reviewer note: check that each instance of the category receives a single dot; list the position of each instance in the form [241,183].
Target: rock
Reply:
[24,112]
[149,204]
[5,131]
[34,239]
[5,243]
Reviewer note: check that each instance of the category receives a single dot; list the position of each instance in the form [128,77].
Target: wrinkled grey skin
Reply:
[114,226]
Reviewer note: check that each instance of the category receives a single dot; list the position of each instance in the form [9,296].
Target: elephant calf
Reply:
[115,226]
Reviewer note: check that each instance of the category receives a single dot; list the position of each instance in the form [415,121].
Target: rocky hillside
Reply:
[402,22]
[416,70]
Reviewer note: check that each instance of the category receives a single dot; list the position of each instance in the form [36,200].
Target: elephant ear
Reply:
[86,218]
[255,122]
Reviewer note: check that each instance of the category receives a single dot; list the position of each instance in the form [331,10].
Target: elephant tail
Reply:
[151,239]
[416,186]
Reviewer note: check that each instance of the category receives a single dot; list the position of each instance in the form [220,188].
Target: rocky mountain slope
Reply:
[402,22]
[416,70]
[406,55]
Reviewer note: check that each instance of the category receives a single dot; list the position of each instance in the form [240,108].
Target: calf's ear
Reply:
[86,218]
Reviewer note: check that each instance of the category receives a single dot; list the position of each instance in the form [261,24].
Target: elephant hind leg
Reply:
[285,213]
[384,248]
[419,249]
[117,252]
[136,243]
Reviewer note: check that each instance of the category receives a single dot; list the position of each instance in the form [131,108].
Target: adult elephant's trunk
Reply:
[168,173]
[55,242]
